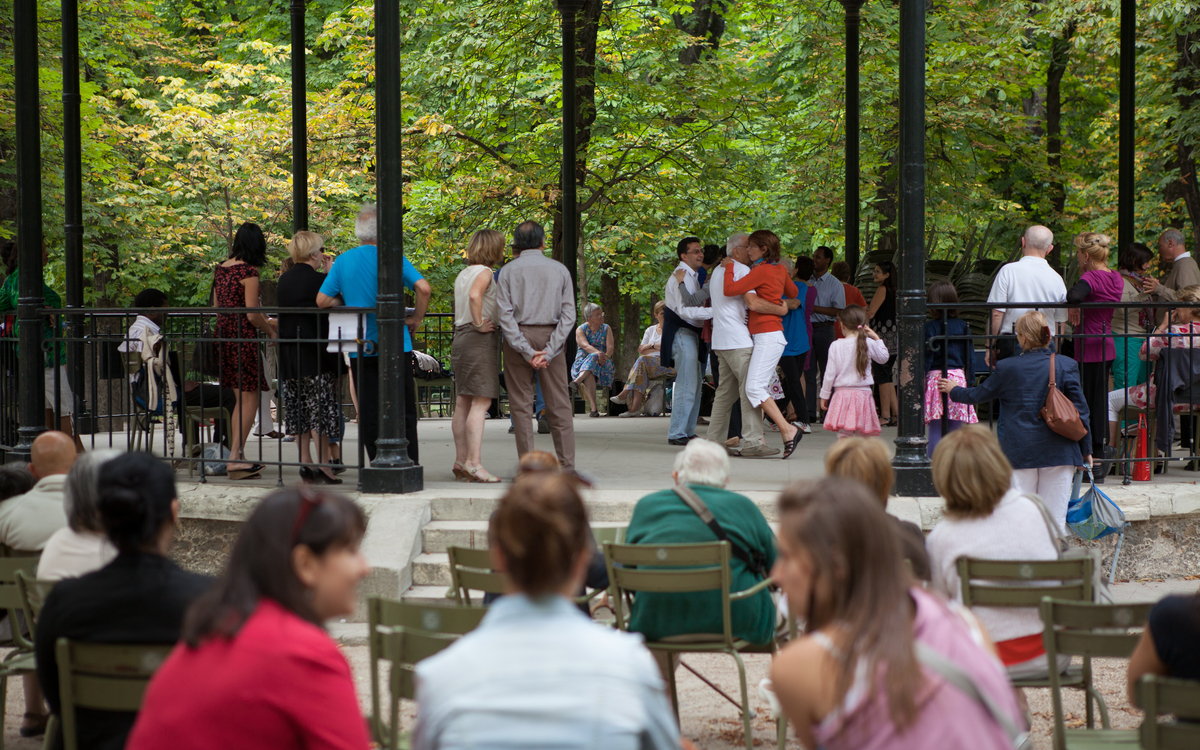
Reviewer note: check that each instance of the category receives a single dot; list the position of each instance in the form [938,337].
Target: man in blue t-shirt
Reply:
[354,278]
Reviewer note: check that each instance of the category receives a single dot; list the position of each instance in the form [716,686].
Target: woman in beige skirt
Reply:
[475,353]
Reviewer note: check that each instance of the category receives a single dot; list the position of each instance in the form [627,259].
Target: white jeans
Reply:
[66,399]
[1116,402]
[1052,484]
[768,348]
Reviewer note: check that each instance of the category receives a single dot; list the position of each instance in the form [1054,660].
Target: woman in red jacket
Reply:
[255,668]
[769,281]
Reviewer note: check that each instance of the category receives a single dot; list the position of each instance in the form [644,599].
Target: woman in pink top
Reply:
[854,679]
[256,669]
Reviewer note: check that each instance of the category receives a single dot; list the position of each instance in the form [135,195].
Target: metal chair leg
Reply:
[745,699]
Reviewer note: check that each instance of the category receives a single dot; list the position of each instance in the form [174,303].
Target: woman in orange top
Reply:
[769,282]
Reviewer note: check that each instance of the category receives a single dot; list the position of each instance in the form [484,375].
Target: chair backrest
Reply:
[604,534]
[403,634]
[103,676]
[1008,581]
[10,596]
[1075,628]
[33,593]
[471,570]
[1168,695]
[669,568]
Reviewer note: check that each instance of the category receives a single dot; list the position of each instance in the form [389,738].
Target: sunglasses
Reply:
[309,501]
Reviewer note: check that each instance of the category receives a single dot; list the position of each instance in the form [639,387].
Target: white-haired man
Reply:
[354,282]
[664,518]
[1184,271]
[1030,279]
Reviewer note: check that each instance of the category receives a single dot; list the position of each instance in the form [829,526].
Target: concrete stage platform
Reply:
[629,458]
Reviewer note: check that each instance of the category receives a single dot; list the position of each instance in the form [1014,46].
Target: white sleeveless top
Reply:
[462,297]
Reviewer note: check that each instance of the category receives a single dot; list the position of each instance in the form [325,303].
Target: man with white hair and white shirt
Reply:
[733,346]
[664,518]
[1030,279]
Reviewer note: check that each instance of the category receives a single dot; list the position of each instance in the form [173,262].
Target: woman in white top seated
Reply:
[537,672]
[81,546]
[647,367]
[985,519]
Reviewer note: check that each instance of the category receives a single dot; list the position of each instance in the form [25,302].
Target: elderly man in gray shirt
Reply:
[537,313]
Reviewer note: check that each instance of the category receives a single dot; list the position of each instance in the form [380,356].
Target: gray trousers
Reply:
[731,389]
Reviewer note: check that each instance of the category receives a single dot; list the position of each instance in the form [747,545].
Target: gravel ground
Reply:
[714,724]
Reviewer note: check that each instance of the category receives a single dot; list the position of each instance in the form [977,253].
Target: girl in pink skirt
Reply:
[948,345]
[851,410]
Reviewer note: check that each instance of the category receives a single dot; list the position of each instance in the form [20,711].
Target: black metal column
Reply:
[569,10]
[31,410]
[852,129]
[73,212]
[299,121]
[912,465]
[1126,230]
[392,470]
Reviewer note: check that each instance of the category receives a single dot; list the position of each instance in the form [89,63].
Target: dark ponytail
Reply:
[136,490]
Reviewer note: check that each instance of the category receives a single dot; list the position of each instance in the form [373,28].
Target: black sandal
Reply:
[789,446]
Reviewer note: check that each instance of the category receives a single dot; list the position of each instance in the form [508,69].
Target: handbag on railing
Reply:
[1060,414]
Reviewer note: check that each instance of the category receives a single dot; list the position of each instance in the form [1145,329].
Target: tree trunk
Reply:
[1187,93]
[1060,50]
[627,346]
[610,301]
[704,22]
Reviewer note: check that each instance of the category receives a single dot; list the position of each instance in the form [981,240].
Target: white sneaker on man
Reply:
[803,427]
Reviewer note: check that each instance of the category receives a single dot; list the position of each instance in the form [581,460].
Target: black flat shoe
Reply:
[338,466]
[306,473]
[677,441]
[320,477]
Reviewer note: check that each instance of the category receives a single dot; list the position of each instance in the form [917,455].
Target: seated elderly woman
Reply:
[593,367]
[989,519]
[647,367]
[81,546]
[537,672]
[664,518]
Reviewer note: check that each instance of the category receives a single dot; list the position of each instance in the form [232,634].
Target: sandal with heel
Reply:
[481,475]
[789,446]
[460,473]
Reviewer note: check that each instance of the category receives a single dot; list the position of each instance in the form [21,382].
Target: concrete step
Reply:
[438,535]
[427,595]
[431,569]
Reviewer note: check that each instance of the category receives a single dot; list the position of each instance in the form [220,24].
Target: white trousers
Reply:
[1116,402]
[768,348]
[1052,484]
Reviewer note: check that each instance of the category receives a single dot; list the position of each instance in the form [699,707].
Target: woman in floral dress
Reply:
[1184,334]
[235,284]
[593,367]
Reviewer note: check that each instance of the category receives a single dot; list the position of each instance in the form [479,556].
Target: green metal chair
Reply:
[33,592]
[1168,695]
[20,661]
[197,415]
[1023,583]
[1089,630]
[471,570]
[686,568]
[102,676]
[403,634]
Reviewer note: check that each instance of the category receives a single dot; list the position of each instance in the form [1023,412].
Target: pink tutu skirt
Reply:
[852,410]
[964,413]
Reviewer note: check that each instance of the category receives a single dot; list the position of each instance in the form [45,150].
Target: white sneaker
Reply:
[638,413]
[803,426]
[618,399]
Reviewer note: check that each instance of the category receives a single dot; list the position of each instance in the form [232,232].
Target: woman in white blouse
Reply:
[647,367]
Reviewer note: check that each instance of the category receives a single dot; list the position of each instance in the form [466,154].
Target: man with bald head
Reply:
[1030,279]
[27,521]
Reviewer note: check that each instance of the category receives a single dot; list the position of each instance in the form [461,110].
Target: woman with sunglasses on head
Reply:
[256,668]
[537,672]
[139,597]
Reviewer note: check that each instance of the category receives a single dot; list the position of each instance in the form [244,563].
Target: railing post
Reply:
[392,470]
[73,215]
[299,121]
[852,8]
[29,227]
[913,477]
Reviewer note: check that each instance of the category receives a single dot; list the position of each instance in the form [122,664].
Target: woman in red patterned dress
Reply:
[235,284]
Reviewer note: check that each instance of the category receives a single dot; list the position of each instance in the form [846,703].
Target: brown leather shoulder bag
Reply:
[1060,414]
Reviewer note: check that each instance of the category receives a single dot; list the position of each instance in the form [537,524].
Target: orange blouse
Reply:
[769,282]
